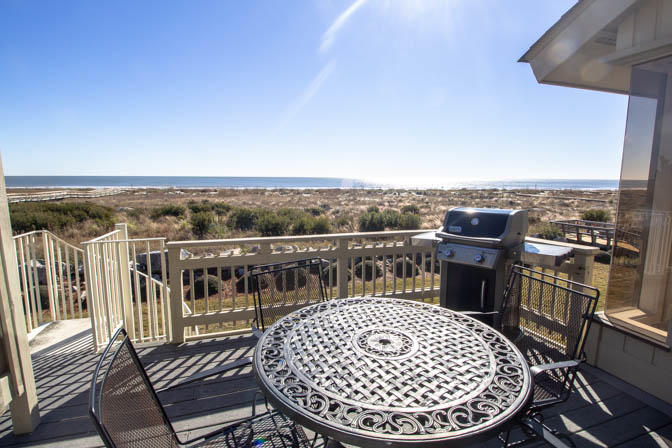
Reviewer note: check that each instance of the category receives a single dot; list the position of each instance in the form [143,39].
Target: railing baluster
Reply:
[61,281]
[206,294]
[77,283]
[164,291]
[219,288]
[24,278]
[232,280]
[154,314]
[394,273]
[192,291]
[424,270]
[384,291]
[67,268]
[245,285]
[37,295]
[138,295]
[47,269]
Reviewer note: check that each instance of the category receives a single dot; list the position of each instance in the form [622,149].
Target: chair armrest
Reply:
[536,370]
[479,313]
[210,372]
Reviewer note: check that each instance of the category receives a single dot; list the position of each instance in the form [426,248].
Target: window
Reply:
[640,282]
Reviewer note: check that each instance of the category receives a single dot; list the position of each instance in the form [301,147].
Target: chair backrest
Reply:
[547,317]
[285,287]
[123,404]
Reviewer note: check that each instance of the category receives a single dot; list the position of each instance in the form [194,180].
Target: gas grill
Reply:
[476,248]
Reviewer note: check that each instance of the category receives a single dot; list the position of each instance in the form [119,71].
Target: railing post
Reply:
[583,271]
[342,268]
[125,279]
[176,291]
[14,349]
[47,269]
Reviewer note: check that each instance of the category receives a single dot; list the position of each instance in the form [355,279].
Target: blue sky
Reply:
[389,90]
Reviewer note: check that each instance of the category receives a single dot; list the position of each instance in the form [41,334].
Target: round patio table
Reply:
[380,372]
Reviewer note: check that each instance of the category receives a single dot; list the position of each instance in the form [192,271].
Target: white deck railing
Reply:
[120,293]
[51,285]
[127,280]
[401,270]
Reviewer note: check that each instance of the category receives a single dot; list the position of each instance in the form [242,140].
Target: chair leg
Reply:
[505,438]
[544,432]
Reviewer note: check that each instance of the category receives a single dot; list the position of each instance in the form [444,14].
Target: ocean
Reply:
[291,182]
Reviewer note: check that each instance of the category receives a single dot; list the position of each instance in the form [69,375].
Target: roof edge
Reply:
[559,26]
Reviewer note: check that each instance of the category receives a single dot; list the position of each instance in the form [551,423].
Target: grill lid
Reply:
[476,222]
[489,226]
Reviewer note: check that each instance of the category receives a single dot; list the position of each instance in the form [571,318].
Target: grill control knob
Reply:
[449,253]
[478,258]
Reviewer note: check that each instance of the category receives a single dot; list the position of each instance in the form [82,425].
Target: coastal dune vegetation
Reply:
[231,213]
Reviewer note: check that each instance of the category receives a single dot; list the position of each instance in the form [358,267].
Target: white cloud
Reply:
[329,35]
[308,93]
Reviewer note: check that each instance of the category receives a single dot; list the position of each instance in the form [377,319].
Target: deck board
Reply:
[597,413]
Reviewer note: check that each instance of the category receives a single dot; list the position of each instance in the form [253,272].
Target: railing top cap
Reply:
[285,239]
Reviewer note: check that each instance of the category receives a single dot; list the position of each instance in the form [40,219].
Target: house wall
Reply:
[652,20]
[644,364]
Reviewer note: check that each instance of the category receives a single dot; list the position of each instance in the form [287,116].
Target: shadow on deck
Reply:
[598,413]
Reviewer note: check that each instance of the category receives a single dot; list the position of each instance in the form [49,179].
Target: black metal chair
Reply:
[548,318]
[127,412]
[281,288]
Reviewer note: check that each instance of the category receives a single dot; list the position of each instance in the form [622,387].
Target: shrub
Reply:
[367,270]
[29,216]
[213,286]
[168,210]
[391,218]
[409,222]
[398,268]
[315,211]
[325,207]
[410,209]
[343,221]
[371,222]
[270,224]
[135,213]
[596,214]
[302,226]
[550,232]
[219,208]
[242,219]
[373,209]
[201,223]
[290,213]
[321,226]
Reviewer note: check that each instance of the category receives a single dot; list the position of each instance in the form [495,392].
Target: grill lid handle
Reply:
[468,238]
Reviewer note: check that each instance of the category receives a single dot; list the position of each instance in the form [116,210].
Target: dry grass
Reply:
[134,206]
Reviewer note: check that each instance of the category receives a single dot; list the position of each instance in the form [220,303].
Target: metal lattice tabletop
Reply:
[390,372]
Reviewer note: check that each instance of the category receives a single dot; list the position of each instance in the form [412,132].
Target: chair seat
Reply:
[267,430]
[549,385]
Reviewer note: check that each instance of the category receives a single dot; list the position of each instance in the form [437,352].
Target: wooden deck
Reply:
[601,412]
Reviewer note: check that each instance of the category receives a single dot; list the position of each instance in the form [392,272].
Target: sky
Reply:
[386,90]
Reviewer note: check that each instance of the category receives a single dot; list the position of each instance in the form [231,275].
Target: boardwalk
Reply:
[56,195]
[599,413]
